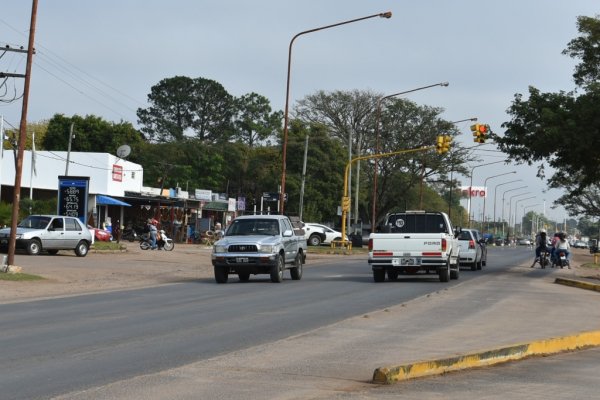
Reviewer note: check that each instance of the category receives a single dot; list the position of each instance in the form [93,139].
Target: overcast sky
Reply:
[102,57]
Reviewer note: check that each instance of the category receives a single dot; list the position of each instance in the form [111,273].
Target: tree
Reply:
[183,107]
[562,129]
[254,120]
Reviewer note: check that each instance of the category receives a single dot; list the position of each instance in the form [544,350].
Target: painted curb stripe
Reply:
[578,284]
[389,375]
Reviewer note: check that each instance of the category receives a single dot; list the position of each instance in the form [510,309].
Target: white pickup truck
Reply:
[414,241]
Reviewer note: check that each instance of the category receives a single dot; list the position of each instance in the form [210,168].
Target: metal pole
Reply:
[387,14]
[486,192]
[69,153]
[22,138]
[303,177]
[495,192]
[1,151]
[471,186]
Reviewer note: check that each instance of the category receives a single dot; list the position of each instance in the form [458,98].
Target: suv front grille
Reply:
[242,248]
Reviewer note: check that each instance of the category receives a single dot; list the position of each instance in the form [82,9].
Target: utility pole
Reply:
[303,177]
[22,139]
[69,150]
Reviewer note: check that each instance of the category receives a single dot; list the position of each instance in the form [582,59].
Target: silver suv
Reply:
[49,233]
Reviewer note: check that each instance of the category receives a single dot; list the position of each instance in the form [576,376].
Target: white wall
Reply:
[51,164]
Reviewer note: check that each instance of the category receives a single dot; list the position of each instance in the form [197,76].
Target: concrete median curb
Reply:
[578,284]
[391,374]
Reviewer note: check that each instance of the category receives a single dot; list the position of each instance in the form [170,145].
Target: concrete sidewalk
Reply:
[490,312]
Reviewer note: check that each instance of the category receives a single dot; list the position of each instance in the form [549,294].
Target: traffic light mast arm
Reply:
[371,156]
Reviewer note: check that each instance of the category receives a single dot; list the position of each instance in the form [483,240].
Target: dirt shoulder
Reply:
[65,274]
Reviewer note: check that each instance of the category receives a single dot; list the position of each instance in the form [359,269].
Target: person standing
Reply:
[153,230]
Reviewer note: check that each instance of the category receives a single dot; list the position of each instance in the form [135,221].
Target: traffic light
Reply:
[443,144]
[479,132]
[346,203]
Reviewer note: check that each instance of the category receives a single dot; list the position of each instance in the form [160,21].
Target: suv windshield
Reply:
[243,227]
[34,222]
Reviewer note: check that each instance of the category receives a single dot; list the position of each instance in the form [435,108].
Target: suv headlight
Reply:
[220,249]
[266,248]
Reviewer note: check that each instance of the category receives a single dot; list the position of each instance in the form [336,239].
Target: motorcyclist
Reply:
[562,245]
[153,231]
[541,244]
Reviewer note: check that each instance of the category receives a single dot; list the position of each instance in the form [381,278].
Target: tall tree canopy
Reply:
[183,107]
[563,129]
[254,121]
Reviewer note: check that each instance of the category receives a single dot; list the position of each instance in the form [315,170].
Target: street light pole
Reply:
[510,216]
[471,186]
[387,14]
[472,119]
[517,211]
[495,192]
[485,185]
[507,191]
[377,118]
[525,208]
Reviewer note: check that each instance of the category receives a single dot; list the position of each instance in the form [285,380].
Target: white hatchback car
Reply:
[473,250]
[49,233]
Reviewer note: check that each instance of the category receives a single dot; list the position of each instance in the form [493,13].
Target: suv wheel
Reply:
[277,270]
[296,270]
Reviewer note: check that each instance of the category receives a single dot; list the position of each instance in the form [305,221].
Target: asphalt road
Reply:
[63,345]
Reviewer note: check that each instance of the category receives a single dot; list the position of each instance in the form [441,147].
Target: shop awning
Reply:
[102,200]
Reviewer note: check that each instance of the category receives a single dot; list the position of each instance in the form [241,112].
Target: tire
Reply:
[169,245]
[314,240]
[34,247]
[480,265]
[379,275]
[474,266]
[82,248]
[444,273]
[277,270]
[455,273]
[392,274]
[221,274]
[52,252]
[296,270]
[144,245]
[244,276]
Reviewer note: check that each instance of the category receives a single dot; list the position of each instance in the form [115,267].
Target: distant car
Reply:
[579,244]
[49,233]
[314,234]
[473,249]
[100,234]
[330,234]
[524,242]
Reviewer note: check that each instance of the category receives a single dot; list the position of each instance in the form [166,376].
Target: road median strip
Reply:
[392,374]
[578,284]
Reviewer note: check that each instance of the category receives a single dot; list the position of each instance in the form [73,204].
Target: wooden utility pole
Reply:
[22,139]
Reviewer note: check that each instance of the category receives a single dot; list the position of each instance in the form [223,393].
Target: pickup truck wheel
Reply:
[455,273]
[244,276]
[444,272]
[296,270]
[314,240]
[277,270]
[392,274]
[379,275]
[221,274]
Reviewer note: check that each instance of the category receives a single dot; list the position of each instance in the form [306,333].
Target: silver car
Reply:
[473,250]
[49,233]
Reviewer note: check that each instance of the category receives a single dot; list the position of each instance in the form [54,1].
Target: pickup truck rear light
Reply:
[370,244]
[471,244]
[444,244]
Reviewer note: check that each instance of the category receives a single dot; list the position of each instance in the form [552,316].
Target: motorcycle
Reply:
[129,234]
[560,260]
[164,243]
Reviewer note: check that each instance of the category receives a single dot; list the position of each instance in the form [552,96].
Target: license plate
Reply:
[241,259]
[402,261]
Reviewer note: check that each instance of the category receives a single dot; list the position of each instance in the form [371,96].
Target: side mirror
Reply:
[288,233]
[457,231]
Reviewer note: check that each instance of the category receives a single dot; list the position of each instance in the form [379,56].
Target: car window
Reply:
[57,224]
[464,235]
[35,222]
[72,225]
[286,225]
[417,223]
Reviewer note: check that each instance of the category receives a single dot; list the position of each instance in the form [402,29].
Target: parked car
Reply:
[524,242]
[473,249]
[579,244]
[330,234]
[314,235]
[49,233]
[100,234]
